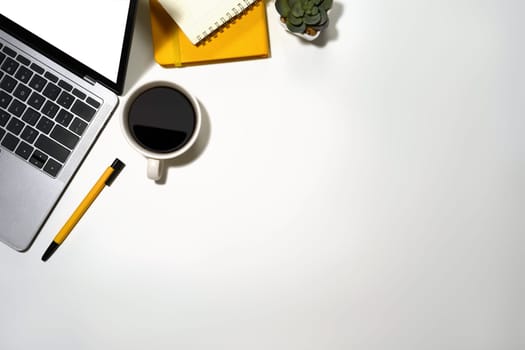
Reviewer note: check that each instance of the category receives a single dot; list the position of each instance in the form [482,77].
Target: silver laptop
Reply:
[59,85]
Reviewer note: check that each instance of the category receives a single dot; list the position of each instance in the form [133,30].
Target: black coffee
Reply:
[161,119]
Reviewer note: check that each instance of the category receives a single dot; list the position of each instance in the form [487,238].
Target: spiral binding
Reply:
[228,16]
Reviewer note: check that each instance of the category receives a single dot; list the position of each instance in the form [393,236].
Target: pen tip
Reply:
[50,250]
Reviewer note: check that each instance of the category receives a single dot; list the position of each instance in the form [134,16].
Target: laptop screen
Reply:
[68,26]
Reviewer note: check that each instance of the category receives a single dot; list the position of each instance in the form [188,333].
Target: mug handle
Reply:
[154,168]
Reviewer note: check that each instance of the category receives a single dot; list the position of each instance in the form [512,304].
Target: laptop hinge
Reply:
[90,80]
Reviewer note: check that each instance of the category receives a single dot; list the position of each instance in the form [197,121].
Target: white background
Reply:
[365,192]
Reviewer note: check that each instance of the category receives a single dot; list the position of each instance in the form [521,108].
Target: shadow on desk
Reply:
[141,53]
[194,152]
[330,33]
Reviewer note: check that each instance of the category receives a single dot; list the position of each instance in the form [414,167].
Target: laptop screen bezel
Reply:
[71,63]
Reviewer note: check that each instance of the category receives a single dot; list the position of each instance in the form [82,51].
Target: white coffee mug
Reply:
[161,120]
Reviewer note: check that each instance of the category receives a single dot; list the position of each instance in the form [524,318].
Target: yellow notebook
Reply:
[244,37]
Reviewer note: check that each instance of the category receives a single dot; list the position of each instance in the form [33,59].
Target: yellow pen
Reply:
[106,179]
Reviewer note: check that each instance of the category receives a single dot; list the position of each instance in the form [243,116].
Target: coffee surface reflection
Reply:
[161,119]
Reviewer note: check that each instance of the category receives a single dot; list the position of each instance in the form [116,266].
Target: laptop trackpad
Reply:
[27,197]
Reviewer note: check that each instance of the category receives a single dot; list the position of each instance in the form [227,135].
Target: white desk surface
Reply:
[362,193]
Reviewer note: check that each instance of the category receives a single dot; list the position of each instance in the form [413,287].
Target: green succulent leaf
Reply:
[312,19]
[282,7]
[308,5]
[295,21]
[297,10]
[326,4]
[324,17]
[296,29]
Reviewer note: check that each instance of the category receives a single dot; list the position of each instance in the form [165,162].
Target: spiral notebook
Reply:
[200,18]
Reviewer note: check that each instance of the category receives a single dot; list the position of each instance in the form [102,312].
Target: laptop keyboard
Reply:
[42,117]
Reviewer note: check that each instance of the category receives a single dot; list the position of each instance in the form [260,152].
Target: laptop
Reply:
[59,85]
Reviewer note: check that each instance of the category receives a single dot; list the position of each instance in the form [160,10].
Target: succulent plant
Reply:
[304,16]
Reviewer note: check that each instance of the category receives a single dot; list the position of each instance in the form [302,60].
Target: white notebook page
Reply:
[199,18]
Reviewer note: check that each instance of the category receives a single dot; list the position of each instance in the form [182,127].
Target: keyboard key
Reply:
[36,100]
[65,99]
[93,102]
[37,82]
[23,74]
[17,107]
[64,117]
[8,83]
[83,110]
[38,158]
[29,134]
[4,117]
[79,94]
[10,141]
[51,77]
[51,91]
[2,133]
[10,66]
[64,136]
[22,59]
[31,116]
[2,57]
[9,51]
[50,109]
[45,125]
[78,126]
[5,99]
[52,148]
[52,167]
[24,150]
[37,68]
[65,85]
[15,126]
[22,92]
